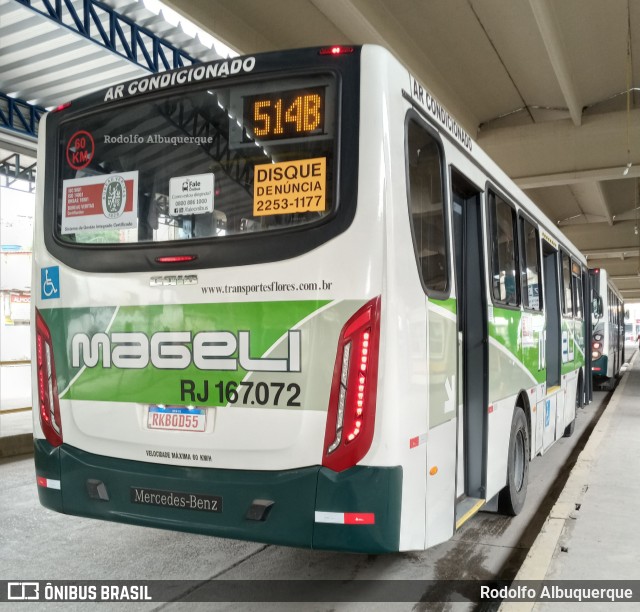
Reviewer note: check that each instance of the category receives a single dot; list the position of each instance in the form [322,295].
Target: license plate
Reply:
[177,418]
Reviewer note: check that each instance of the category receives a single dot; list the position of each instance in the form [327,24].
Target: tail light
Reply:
[596,347]
[352,404]
[47,385]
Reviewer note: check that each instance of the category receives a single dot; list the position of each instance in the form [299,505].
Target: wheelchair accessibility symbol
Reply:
[50,283]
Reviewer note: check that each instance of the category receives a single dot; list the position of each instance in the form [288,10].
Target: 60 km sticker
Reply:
[290,187]
[80,150]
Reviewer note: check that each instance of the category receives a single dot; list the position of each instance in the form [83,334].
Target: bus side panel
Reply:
[511,371]
[500,418]
[401,412]
[532,338]
[570,384]
[441,485]
[564,410]
[442,437]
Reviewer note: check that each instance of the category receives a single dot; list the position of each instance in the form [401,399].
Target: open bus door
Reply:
[473,331]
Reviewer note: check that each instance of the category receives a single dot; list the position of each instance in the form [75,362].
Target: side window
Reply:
[426,205]
[530,240]
[577,289]
[504,278]
[567,300]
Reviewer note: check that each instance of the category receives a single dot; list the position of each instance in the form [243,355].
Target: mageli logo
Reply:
[177,350]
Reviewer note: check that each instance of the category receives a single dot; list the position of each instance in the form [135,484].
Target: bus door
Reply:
[588,314]
[472,338]
[546,413]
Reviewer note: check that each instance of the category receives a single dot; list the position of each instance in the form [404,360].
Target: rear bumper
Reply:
[599,367]
[303,499]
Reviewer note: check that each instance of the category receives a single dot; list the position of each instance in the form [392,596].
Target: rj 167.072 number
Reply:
[245,393]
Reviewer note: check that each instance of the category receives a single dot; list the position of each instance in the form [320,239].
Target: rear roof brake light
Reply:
[176,258]
[336,50]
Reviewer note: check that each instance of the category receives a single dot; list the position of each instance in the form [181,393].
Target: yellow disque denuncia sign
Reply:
[290,187]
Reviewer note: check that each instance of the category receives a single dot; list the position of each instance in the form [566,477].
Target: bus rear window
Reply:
[205,164]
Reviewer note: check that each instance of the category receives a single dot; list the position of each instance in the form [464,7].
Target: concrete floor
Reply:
[36,543]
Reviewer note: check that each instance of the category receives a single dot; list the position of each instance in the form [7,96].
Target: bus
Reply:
[287,298]
[631,331]
[608,338]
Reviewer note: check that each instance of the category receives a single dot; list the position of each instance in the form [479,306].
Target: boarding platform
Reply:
[591,532]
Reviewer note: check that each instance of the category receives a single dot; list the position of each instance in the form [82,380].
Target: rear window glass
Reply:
[209,163]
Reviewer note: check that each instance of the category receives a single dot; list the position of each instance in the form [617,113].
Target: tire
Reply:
[609,384]
[512,497]
[569,429]
[580,400]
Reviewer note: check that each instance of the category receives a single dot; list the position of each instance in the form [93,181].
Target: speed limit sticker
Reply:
[80,150]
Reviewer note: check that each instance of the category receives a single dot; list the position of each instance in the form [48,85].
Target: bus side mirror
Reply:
[596,307]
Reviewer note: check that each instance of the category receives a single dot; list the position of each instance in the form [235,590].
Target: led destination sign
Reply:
[285,114]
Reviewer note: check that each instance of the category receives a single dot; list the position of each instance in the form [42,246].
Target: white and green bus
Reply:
[287,298]
[608,334]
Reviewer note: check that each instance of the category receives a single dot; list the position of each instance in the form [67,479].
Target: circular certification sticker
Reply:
[114,197]
[80,150]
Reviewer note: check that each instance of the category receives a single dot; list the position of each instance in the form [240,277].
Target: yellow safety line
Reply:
[12,410]
[15,363]
[464,518]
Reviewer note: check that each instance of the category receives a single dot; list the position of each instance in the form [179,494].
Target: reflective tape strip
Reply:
[418,440]
[329,517]
[48,483]
[346,518]
[359,518]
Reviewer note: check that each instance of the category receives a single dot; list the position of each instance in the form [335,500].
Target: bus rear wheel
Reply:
[512,497]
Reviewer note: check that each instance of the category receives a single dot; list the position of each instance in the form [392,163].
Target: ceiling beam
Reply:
[571,178]
[225,23]
[553,42]
[630,294]
[612,253]
[18,143]
[603,203]
[603,235]
[558,152]
[363,21]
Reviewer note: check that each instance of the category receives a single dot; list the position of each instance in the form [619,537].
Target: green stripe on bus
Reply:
[266,321]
